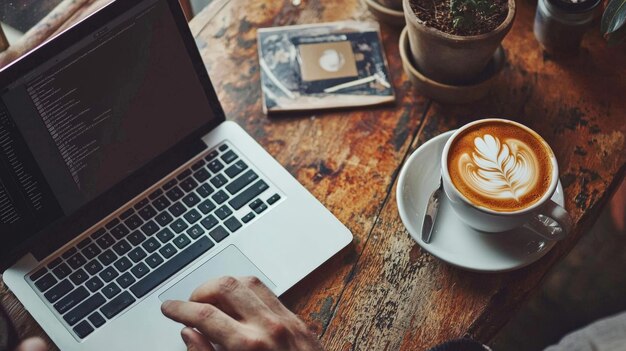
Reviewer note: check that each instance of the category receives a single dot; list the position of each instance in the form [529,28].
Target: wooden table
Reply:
[384,292]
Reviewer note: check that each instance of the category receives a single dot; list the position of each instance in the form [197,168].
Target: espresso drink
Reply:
[500,166]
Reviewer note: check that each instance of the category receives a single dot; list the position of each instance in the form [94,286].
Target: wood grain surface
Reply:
[384,292]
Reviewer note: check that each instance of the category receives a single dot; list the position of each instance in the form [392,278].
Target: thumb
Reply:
[32,344]
[195,341]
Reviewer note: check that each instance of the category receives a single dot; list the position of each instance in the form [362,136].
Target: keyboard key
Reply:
[91,251]
[93,267]
[223,212]
[192,216]
[191,200]
[218,180]
[147,212]
[108,274]
[202,175]
[150,227]
[121,247]
[105,241]
[107,257]
[177,209]
[181,241]
[85,308]
[188,184]
[218,234]
[61,271]
[165,235]
[140,270]
[213,154]
[247,218]
[232,224]
[137,254]
[164,218]
[121,231]
[94,284]
[83,329]
[215,166]
[136,238]
[220,197]
[72,299]
[236,185]
[96,319]
[57,261]
[178,226]
[236,169]
[205,190]
[196,166]
[125,280]
[174,194]
[229,156]
[123,264]
[141,204]
[256,203]
[170,184]
[195,231]
[154,260]
[253,191]
[272,200]
[40,273]
[209,222]
[151,245]
[79,277]
[83,243]
[155,194]
[206,206]
[112,223]
[161,203]
[67,254]
[260,208]
[169,268]
[46,282]
[98,233]
[76,261]
[127,213]
[223,147]
[133,222]
[184,174]
[58,291]
[117,305]
[111,290]
[168,251]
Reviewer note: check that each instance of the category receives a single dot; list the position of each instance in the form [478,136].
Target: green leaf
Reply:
[614,16]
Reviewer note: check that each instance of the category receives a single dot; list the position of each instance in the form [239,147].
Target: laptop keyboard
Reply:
[123,261]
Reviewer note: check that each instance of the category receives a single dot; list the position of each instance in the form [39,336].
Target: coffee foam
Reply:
[500,166]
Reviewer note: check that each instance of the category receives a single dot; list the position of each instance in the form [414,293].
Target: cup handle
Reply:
[551,222]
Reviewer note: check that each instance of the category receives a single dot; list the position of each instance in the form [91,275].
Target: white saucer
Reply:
[452,240]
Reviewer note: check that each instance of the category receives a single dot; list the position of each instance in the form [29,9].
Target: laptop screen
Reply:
[80,123]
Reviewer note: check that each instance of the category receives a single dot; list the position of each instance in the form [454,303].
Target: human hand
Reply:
[32,344]
[239,314]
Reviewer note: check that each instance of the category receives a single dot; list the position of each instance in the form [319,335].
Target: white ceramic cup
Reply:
[544,217]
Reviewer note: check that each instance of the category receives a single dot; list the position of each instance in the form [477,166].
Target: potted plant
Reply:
[452,41]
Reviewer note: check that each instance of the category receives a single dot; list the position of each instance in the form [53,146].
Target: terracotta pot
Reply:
[453,59]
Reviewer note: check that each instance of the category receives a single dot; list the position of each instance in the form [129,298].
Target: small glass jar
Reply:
[561,24]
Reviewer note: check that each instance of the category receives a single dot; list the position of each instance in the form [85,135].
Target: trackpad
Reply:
[228,262]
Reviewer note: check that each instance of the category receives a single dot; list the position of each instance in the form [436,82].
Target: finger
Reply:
[230,293]
[195,341]
[265,294]
[214,324]
[32,344]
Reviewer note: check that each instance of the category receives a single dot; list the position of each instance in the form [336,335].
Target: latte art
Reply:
[500,166]
[500,170]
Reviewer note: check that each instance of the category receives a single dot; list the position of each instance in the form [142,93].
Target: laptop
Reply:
[122,185]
